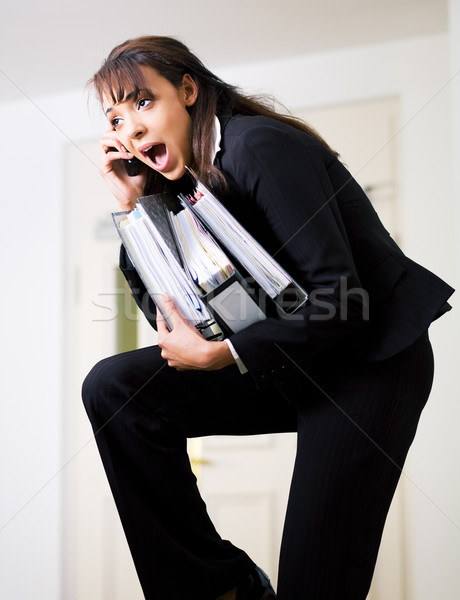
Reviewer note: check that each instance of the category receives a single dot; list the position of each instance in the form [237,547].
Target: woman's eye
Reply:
[143,102]
[115,122]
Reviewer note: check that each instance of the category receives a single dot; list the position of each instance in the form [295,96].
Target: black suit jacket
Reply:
[367,298]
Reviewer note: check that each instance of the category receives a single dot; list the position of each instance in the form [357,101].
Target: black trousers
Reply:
[355,423]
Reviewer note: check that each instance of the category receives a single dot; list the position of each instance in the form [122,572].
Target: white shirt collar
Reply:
[216,141]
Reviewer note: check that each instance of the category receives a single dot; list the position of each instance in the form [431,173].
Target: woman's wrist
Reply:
[127,205]
[218,356]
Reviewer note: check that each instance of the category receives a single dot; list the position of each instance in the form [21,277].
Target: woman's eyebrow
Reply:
[130,96]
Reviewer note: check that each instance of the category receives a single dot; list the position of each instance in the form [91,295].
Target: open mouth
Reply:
[157,155]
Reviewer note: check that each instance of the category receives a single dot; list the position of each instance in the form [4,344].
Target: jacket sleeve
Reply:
[138,289]
[284,172]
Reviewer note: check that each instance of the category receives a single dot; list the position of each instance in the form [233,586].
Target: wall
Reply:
[33,452]
[33,394]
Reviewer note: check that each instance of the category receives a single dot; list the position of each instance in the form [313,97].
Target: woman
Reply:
[350,372]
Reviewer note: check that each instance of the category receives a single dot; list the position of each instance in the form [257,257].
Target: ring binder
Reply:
[180,245]
[286,293]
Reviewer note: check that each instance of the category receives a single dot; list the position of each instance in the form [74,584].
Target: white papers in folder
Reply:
[208,266]
[268,273]
[158,268]
[184,260]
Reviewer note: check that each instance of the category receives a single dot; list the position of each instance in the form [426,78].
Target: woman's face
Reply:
[155,125]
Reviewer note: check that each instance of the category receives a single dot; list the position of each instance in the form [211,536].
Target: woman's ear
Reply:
[189,90]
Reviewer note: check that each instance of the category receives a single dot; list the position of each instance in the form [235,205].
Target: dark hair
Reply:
[121,74]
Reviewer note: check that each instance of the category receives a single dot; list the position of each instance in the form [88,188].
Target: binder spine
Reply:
[211,331]
[292,296]
[247,287]
[233,306]
[209,328]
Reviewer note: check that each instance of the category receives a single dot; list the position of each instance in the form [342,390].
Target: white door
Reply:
[244,481]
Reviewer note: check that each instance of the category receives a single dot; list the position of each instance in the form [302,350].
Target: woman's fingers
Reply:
[112,150]
[126,189]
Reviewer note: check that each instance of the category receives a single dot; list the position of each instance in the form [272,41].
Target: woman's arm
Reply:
[284,173]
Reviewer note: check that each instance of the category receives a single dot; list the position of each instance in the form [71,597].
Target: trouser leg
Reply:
[142,412]
[353,438]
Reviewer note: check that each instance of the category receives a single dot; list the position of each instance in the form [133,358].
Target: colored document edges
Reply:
[173,253]
[287,295]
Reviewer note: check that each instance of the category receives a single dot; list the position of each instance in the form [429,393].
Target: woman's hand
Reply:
[126,189]
[184,347]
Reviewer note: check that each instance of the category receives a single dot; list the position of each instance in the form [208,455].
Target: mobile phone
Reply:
[132,166]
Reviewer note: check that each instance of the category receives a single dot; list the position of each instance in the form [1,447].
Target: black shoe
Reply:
[256,586]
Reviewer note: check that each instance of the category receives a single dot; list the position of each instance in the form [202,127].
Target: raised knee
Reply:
[97,388]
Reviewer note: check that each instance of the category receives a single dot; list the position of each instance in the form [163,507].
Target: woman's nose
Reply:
[136,129]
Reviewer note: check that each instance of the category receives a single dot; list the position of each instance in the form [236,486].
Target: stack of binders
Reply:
[193,249]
